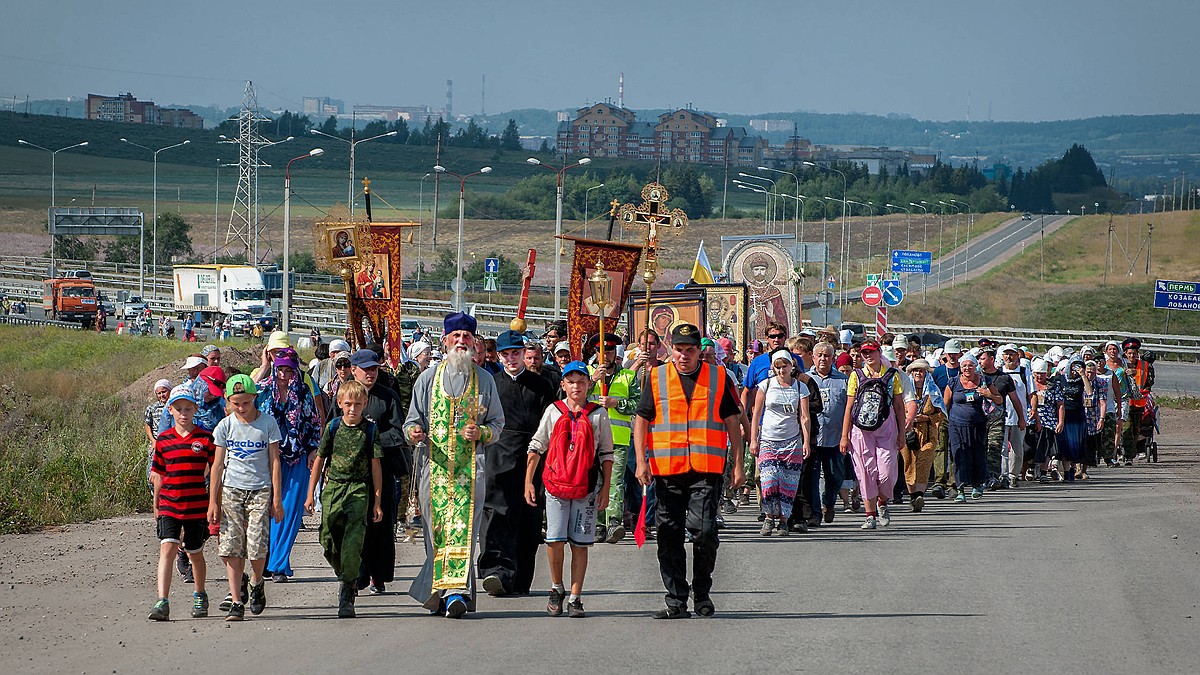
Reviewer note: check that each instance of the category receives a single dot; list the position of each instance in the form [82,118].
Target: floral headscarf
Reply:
[296,413]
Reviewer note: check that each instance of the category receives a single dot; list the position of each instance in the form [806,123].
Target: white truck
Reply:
[217,291]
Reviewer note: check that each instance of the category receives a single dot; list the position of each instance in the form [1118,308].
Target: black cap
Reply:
[610,340]
[686,334]
[1131,343]
[913,339]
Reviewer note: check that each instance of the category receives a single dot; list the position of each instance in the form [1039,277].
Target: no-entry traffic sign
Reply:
[872,296]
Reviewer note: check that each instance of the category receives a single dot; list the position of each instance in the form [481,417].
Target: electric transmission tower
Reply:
[243,220]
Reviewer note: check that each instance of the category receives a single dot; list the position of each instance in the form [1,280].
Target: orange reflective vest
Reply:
[1139,376]
[687,435]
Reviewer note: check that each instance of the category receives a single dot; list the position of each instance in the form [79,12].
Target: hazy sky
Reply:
[932,59]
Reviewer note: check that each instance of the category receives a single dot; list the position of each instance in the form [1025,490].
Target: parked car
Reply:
[104,301]
[134,306]
[76,274]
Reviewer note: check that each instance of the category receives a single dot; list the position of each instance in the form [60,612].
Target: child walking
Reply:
[576,438]
[182,456]
[351,450]
[244,487]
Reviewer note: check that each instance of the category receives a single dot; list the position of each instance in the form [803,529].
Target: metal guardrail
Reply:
[1164,344]
[22,320]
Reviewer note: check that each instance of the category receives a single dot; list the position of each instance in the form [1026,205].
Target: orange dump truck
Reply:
[70,300]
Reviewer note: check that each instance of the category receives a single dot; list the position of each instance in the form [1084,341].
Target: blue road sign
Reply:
[1177,295]
[491,265]
[912,262]
[892,293]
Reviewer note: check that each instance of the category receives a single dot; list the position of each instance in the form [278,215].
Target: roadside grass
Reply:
[1067,291]
[1184,402]
[72,450]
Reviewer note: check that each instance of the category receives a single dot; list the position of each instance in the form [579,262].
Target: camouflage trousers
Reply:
[943,460]
[344,526]
[245,528]
[995,445]
[1108,437]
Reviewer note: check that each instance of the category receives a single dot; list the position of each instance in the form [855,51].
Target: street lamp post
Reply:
[558,207]
[925,245]
[586,194]
[770,194]
[967,247]
[462,206]
[154,245]
[845,225]
[287,231]
[352,143]
[799,211]
[53,162]
[420,225]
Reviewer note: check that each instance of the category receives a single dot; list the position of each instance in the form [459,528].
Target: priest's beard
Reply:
[460,362]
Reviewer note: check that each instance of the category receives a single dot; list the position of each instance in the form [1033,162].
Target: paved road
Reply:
[1088,578]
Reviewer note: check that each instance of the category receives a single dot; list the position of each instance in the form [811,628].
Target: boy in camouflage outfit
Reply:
[350,449]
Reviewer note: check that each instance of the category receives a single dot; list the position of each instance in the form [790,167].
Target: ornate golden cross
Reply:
[651,214]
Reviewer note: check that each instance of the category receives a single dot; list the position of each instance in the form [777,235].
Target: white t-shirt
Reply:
[907,387]
[781,409]
[247,461]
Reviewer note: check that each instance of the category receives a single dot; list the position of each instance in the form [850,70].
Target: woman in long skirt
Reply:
[964,396]
[922,442]
[1076,390]
[779,438]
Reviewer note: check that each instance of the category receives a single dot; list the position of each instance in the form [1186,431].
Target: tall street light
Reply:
[771,193]
[587,193]
[794,215]
[154,254]
[766,200]
[558,206]
[954,260]
[462,205]
[845,225]
[352,143]
[967,247]
[53,158]
[420,225]
[287,238]
[843,264]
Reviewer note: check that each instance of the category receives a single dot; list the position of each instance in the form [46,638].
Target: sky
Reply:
[1016,60]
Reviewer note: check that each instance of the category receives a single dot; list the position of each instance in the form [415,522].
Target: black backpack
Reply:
[872,400]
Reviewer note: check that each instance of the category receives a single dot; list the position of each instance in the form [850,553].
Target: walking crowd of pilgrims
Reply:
[485,449]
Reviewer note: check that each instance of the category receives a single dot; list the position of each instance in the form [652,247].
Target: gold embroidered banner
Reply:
[620,264]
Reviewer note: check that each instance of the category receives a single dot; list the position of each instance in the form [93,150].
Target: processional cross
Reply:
[652,214]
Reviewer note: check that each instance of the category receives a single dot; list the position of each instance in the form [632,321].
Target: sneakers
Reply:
[768,527]
[918,502]
[554,605]
[279,578]
[938,491]
[575,609]
[493,586]
[729,508]
[456,606]
[779,532]
[237,611]
[885,516]
[161,611]
[377,588]
[601,532]
[671,612]
[976,493]
[199,605]
[800,526]
[960,497]
[258,598]
[617,534]
[224,606]
[720,521]
[869,524]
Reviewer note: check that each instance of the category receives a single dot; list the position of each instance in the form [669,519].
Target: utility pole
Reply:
[1108,252]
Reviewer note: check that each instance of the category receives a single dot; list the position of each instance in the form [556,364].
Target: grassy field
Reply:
[1066,288]
[72,450]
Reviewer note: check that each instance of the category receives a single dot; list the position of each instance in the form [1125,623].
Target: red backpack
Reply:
[571,455]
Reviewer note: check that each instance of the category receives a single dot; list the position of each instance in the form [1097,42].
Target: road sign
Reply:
[912,262]
[1177,295]
[872,295]
[491,265]
[831,282]
[892,293]
[826,316]
[873,279]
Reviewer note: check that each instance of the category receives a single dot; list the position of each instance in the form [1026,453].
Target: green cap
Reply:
[240,384]
[706,342]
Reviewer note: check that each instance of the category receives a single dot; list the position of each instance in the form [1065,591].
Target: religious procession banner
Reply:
[667,309]
[727,316]
[620,262]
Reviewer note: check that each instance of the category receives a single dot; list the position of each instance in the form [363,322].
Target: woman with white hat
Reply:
[780,439]
[1045,418]
[922,441]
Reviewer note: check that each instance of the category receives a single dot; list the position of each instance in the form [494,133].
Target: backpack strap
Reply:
[334,425]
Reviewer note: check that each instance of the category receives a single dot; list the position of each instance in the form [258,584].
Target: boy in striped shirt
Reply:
[182,457]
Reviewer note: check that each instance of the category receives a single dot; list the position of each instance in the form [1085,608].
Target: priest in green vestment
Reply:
[455,412]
